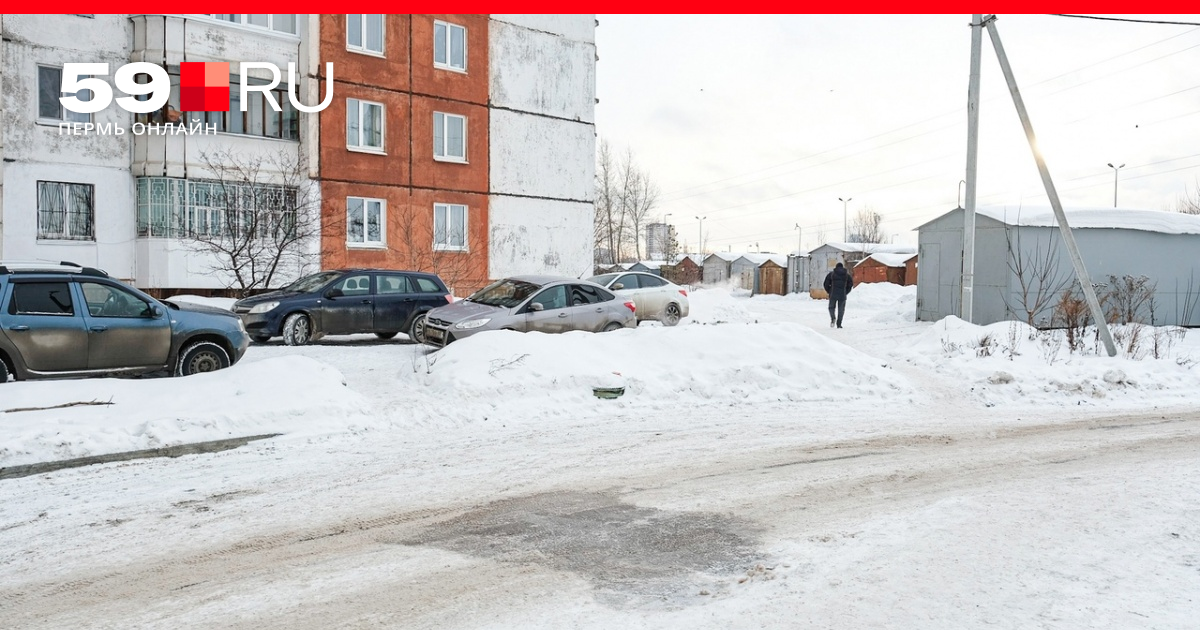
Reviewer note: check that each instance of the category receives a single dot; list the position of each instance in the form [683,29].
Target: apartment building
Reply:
[461,144]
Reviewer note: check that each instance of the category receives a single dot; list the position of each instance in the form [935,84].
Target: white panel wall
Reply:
[580,28]
[36,151]
[541,157]
[542,144]
[540,236]
[534,71]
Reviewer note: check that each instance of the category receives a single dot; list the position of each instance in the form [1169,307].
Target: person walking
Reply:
[838,284]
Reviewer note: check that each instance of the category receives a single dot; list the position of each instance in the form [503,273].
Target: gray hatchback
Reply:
[531,303]
[69,320]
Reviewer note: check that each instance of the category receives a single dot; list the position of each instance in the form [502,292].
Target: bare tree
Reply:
[444,247]
[1039,281]
[625,196]
[866,227]
[1189,203]
[258,221]
[639,195]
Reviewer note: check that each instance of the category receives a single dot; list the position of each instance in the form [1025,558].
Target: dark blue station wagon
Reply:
[344,302]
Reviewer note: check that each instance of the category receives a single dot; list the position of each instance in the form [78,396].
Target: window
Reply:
[582,294]
[425,285]
[650,281]
[169,207]
[628,281]
[391,284]
[49,91]
[449,137]
[449,227]
[283,23]
[449,46]
[41,298]
[355,285]
[552,298]
[364,125]
[364,33]
[105,300]
[66,211]
[364,221]
[259,119]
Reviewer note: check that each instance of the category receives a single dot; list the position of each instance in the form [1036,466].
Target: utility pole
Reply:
[1116,170]
[799,238]
[1085,281]
[968,264]
[845,221]
[701,220]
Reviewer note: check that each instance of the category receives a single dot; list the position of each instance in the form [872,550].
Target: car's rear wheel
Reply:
[613,326]
[3,371]
[671,315]
[297,329]
[416,331]
[201,357]
[260,338]
[386,335]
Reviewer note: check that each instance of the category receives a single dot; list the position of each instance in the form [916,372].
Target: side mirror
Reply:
[156,311]
[536,307]
[334,293]
[617,286]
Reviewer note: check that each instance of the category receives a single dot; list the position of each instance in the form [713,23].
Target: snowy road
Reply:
[760,472]
[544,542]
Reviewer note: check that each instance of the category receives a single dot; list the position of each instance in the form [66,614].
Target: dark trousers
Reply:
[838,304]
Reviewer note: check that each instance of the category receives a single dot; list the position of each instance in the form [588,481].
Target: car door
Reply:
[652,296]
[42,321]
[554,317]
[587,308]
[124,330]
[429,293]
[348,306]
[394,301]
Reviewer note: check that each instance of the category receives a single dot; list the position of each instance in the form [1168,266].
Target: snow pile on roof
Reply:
[759,259]
[873,248]
[1011,363]
[1113,218]
[690,364]
[726,256]
[889,260]
[246,399]
[652,264]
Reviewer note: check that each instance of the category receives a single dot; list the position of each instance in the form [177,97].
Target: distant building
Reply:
[1162,246]
[823,259]
[660,241]
[716,267]
[891,268]
[760,273]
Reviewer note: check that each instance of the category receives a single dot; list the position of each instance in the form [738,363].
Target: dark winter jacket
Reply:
[838,283]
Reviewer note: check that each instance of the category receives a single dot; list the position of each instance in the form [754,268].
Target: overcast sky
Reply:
[762,122]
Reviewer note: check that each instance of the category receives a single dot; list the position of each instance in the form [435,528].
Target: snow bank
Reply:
[717,306]
[689,364]
[1012,363]
[294,395]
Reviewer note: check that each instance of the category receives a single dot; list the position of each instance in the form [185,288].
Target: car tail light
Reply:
[631,306]
[683,292]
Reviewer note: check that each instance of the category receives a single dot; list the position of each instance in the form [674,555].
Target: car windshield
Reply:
[312,283]
[603,280]
[504,293]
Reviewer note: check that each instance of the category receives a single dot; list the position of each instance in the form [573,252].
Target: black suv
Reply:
[344,302]
[69,320]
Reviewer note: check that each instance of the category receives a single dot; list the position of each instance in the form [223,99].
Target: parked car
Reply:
[65,319]
[531,303]
[656,297]
[344,302]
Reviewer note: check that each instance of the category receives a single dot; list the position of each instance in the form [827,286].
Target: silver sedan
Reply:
[656,297]
[547,304]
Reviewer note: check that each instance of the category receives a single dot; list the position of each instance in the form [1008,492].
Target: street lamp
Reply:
[799,239]
[700,245]
[1116,171]
[845,222]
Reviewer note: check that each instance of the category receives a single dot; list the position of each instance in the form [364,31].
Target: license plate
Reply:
[433,333]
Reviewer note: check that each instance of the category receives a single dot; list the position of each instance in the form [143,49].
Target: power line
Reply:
[1111,19]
